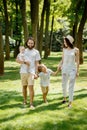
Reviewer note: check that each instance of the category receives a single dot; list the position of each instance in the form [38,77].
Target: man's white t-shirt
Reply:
[33,56]
[45,78]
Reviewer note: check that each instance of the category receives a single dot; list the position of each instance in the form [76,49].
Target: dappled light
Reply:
[51,116]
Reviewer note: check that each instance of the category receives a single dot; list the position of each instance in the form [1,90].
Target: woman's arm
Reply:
[77,60]
[60,63]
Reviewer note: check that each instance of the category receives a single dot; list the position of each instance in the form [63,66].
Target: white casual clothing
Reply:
[33,56]
[23,68]
[45,78]
[68,72]
[68,60]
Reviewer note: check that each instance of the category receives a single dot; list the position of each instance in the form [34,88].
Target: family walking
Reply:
[31,69]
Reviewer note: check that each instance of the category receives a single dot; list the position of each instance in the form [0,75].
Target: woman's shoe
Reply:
[64,101]
[69,105]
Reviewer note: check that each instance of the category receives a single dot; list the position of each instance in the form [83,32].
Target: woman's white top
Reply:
[68,60]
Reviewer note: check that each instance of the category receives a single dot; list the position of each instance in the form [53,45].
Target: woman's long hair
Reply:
[68,44]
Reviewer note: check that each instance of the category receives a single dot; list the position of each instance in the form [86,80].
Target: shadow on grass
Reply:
[54,100]
[70,123]
[53,105]
[83,73]
[11,73]
[7,96]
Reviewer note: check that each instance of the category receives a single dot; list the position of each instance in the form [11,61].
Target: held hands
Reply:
[59,68]
[77,74]
[35,76]
[55,73]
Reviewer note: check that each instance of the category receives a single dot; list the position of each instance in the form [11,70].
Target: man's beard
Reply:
[30,47]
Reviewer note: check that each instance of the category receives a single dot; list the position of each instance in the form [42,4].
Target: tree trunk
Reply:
[40,31]
[7,47]
[51,33]
[47,50]
[34,18]
[16,50]
[24,21]
[1,54]
[78,6]
[80,32]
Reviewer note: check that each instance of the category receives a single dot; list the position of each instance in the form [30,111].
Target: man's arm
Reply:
[36,66]
[19,61]
[22,61]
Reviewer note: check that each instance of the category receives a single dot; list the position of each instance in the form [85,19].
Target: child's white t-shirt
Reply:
[23,68]
[45,78]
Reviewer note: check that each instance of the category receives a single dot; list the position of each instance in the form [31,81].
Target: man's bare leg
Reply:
[31,92]
[25,94]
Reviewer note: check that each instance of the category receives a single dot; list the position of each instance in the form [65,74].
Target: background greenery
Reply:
[51,116]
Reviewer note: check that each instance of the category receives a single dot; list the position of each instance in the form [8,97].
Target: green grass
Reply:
[54,115]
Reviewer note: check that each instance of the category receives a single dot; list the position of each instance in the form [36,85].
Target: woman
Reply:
[70,67]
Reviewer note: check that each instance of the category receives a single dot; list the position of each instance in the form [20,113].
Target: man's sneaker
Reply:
[24,103]
[32,107]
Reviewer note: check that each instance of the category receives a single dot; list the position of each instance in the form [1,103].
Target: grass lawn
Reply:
[51,116]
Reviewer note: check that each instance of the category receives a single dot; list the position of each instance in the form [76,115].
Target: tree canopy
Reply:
[42,19]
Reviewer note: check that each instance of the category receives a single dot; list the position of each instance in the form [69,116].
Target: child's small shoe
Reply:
[46,101]
[24,103]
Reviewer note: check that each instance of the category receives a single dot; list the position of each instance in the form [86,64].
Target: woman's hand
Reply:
[77,74]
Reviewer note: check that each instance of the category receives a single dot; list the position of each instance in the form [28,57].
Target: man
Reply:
[34,58]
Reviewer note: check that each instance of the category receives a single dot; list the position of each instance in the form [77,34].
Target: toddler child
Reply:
[44,74]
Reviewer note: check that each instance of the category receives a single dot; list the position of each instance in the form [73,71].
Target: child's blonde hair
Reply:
[40,67]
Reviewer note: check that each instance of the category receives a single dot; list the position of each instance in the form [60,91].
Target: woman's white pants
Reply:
[68,79]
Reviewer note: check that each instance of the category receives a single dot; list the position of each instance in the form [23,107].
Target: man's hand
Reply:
[35,76]
[27,63]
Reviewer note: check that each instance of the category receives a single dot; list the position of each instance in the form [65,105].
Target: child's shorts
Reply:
[44,89]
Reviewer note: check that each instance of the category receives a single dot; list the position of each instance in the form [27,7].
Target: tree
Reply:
[1,54]
[76,21]
[78,25]
[41,28]
[46,53]
[7,47]
[77,15]
[17,28]
[34,4]
[52,24]
[24,21]
[80,31]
